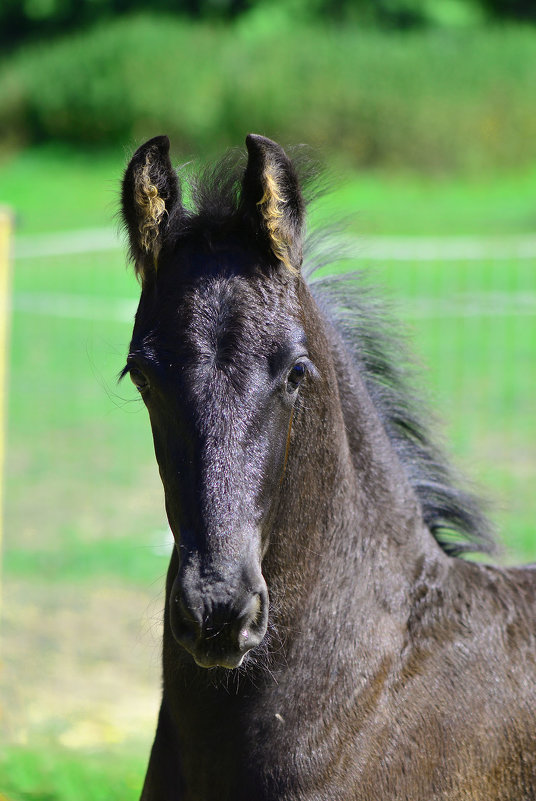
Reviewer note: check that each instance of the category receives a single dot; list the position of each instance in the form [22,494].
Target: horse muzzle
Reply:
[218,626]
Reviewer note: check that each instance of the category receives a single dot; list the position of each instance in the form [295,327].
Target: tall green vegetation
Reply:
[433,100]
[23,19]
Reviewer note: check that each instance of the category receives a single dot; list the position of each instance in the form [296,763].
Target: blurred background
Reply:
[424,112]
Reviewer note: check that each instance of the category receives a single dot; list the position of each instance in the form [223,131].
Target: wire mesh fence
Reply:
[86,538]
[469,307]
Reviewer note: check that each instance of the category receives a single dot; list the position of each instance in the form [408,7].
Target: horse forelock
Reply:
[214,212]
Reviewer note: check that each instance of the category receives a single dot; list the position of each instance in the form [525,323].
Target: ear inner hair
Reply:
[151,206]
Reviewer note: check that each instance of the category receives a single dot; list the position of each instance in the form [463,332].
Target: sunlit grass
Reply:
[43,771]
[55,188]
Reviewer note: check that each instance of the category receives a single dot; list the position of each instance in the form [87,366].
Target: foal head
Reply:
[218,354]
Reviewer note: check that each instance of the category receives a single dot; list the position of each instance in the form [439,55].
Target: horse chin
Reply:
[208,658]
[228,661]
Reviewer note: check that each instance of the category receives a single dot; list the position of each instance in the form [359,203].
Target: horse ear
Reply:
[272,198]
[150,193]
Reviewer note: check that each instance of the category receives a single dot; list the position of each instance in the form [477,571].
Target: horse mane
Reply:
[376,343]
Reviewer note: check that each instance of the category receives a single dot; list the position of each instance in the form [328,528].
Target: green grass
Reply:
[45,773]
[84,505]
[57,188]
[408,204]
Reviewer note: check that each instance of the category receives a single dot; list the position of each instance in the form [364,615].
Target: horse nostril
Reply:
[252,623]
[218,629]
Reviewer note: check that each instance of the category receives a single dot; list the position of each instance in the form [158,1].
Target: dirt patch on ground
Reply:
[80,664]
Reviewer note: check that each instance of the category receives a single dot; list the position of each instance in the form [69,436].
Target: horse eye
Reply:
[296,376]
[139,380]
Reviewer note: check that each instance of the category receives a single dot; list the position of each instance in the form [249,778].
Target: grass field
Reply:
[85,552]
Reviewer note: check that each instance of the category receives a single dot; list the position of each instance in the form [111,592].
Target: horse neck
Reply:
[347,510]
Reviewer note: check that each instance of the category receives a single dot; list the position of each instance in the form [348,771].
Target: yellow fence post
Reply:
[6,222]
